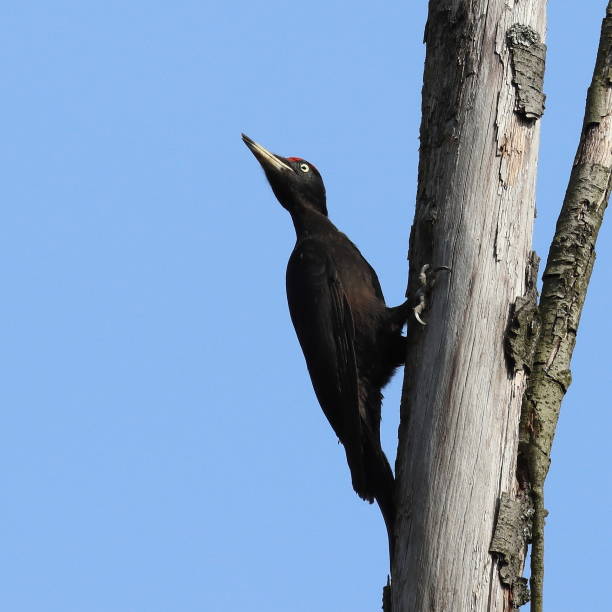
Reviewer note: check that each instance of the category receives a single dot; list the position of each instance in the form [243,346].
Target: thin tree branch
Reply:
[565,282]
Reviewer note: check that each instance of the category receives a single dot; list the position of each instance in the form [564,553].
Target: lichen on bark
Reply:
[510,539]
[524,324]
[565,281]
[527,56]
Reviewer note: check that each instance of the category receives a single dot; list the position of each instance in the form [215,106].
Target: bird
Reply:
[352,342]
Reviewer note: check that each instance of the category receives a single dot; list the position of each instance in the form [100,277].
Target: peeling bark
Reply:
[527,55]
[509,544]
[524,327]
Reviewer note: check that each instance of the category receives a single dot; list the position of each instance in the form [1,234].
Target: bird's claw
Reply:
[417,312]
[427,280]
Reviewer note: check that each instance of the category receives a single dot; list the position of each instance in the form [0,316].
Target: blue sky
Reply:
[160,444]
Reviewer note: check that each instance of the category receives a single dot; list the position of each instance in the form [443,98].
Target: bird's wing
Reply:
[373,276]
[323,321]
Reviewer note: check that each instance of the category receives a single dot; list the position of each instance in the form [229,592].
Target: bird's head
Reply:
[295,182]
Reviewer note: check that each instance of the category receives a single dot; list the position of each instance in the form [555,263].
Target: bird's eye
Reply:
[304,167]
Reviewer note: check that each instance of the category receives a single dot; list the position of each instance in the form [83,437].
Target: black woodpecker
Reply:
[351,341]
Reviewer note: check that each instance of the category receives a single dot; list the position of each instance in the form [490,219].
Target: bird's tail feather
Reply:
[359,475]
[373,479]
[382,484]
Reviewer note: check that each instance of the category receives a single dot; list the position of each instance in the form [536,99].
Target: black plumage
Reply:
[351,340]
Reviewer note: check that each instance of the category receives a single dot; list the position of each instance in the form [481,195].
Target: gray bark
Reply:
[475,207]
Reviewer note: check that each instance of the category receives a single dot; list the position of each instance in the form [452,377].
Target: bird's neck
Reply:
[310,222]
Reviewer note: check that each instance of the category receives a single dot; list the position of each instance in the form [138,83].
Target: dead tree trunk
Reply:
[474,213]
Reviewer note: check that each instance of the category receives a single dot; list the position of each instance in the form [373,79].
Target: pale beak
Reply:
[267,159]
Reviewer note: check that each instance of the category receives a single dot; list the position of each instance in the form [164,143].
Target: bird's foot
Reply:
[427,279]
